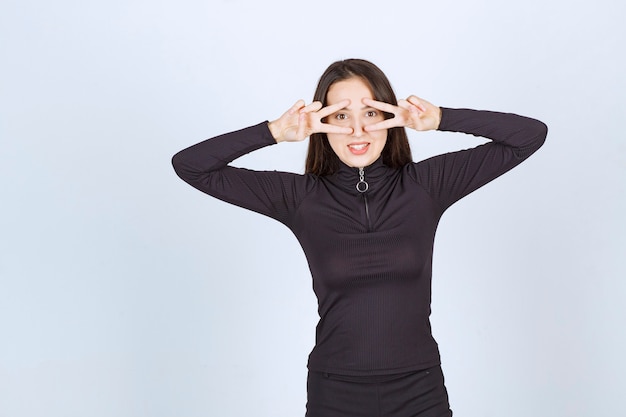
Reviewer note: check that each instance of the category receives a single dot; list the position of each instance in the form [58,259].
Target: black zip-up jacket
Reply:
[370,254]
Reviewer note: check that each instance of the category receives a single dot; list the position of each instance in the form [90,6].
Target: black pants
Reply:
[411,394]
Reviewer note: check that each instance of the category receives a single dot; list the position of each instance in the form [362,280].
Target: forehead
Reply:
[353,88]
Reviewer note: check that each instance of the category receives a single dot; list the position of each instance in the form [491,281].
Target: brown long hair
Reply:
[321,159]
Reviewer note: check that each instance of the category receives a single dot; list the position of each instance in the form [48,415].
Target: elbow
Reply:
[535,132]
[179,165]
[176,162]
[542,133]
[542,130]
[539,133]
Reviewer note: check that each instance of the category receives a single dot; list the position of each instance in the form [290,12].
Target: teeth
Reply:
[358,147]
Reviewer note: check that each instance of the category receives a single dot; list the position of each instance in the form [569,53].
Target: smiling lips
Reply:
[358,148]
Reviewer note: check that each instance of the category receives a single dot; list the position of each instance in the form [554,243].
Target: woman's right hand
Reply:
[301,121]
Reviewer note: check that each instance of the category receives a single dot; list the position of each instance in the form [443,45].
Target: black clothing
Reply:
[410,394]
[370,254]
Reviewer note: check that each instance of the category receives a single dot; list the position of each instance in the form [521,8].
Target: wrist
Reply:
[275,131]
[440,117]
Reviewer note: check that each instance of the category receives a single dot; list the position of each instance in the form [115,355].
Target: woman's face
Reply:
[360,148]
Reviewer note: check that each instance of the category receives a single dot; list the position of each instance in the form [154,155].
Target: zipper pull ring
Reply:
[362,186]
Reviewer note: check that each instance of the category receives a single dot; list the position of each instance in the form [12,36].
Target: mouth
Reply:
[358,148]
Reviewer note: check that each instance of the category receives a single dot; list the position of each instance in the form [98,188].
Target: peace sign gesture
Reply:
[413,112]
[301,121]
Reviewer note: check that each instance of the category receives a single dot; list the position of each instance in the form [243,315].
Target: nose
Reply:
[357,128]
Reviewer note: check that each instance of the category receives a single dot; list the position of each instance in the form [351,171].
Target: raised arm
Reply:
[451,176]
[205,165]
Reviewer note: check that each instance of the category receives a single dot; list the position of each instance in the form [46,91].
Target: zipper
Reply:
[362,186]
[367,213]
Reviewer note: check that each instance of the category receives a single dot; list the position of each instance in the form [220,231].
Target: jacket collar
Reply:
[348,177]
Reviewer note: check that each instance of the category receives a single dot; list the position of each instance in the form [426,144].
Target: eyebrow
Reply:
[362,108]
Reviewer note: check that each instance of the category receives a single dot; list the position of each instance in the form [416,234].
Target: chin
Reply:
[359,162]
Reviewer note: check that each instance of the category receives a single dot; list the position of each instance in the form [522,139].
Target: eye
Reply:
[341,116]
[371,113]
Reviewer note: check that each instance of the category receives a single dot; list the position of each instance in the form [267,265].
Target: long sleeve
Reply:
[451,176]
[373,283]
[205,167]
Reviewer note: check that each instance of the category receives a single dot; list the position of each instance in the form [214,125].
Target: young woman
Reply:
[365,215]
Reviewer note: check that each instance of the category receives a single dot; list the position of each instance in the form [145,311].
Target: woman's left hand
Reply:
[413,112]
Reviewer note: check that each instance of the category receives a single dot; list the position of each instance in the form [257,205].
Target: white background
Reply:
[124,292]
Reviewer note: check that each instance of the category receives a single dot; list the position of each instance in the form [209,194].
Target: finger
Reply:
[412,108]
[385,124]
[301,132]
[380,105]
[313,107]
[297,106]
[417,102]
[333,108]
[404,104]
[340,130]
